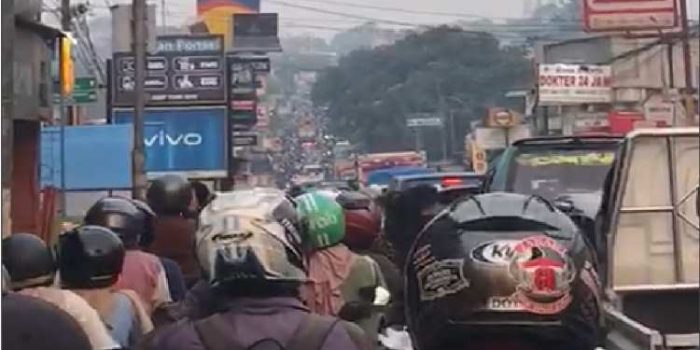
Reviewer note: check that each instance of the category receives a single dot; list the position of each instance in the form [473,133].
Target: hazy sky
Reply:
[295,20]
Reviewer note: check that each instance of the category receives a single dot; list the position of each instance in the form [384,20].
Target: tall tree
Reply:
[371,92]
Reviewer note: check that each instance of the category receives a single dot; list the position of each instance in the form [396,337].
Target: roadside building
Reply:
[635,84]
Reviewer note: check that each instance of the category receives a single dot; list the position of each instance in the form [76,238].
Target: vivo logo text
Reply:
[161,139]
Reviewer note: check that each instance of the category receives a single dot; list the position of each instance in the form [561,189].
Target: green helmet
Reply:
[324,218]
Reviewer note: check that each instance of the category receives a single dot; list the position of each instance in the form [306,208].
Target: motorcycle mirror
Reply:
[565,205]
[381,297]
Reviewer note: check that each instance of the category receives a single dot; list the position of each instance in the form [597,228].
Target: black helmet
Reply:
[170,195]
[203,194]
[120,215]
[28,261]
[90,257]
[502,267]
[148,234]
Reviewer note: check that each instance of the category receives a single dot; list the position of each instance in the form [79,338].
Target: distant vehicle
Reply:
[567,167]
[383,177]
[334,185]
[440,180]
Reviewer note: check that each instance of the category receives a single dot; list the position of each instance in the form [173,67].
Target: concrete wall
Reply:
[649,69]
[584,51]
[25,177]
[31,100]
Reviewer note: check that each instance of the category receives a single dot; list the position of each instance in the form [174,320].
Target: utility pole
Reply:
[163,21]
[138,156]
[6,111]
[688,91]
[63,110]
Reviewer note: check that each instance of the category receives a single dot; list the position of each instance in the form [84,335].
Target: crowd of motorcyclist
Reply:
[261,269]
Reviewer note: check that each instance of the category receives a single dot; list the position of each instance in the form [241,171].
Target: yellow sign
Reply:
[479,164]
[588,159]
[66,66]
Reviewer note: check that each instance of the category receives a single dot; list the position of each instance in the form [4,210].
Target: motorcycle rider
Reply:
[251,253]
[502,271]
[176,282]
[142,271]
[32,270]
[31,323]
[90,260]
[363,220]
[170,197]
[341,283]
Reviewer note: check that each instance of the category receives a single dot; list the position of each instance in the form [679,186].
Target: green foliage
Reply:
[371,92]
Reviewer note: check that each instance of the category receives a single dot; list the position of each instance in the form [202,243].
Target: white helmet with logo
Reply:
[250,235]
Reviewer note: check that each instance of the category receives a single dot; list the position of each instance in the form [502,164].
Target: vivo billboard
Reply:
[188,142]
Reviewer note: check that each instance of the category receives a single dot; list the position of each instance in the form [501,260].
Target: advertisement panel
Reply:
[185,70]
[188,142]
[629,15]
[561,84]
[242,93]
[97,157]
[256,32]
[217,14]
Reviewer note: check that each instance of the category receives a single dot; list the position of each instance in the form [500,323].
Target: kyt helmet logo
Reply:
[162,138]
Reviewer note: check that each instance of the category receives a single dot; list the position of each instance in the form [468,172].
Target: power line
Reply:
[395,9]
[345,14]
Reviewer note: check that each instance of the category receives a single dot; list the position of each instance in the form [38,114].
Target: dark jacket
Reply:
[174,239]
[250,320]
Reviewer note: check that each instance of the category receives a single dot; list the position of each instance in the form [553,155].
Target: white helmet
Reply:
[250,234]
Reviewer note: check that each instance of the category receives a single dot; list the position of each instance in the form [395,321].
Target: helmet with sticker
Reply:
[500,264]
[323,217]
[250,235]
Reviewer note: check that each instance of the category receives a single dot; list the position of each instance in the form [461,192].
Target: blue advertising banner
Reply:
[97,157]
[190,142]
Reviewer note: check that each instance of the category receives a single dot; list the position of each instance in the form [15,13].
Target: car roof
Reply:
[437,176]
[568,140]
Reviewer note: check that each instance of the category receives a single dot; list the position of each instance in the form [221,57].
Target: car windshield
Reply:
[553,172]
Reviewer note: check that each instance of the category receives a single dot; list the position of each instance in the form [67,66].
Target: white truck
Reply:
[649,218]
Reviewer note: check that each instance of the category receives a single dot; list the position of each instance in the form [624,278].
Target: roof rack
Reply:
[558,140]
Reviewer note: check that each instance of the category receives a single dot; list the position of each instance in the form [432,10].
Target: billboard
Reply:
[628,15]
[97,157]
[561,84]
[217,14]
[185,70]
[256,32]
[189,142]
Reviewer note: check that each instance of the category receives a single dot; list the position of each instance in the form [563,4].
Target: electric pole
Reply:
[688,91]
[162,14]
[64,111]
[138,156]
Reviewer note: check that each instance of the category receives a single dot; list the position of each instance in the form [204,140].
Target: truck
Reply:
[357,167]
[649,221]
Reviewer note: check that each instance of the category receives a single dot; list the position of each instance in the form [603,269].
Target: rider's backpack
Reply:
[311,335]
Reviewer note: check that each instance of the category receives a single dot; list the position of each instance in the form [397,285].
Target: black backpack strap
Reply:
[214,334]
[312,333]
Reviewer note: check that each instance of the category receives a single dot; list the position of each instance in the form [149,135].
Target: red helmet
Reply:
[363,219]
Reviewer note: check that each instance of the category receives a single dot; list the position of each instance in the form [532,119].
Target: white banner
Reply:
[561,84]
[419,122]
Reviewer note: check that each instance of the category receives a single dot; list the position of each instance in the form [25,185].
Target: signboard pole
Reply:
[138,156]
